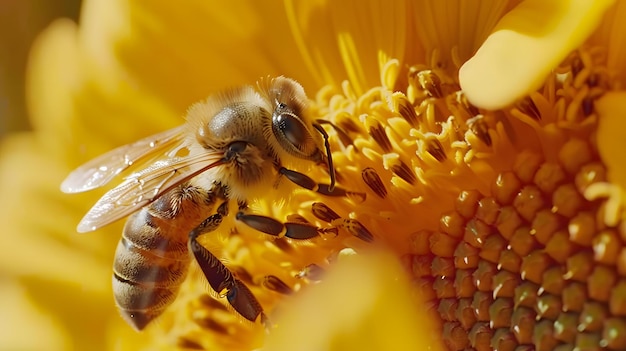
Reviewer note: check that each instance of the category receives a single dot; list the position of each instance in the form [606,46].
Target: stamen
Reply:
[373,181]
[274,283]
[377,132]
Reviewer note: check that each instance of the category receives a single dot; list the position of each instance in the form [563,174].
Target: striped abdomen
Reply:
[151,260]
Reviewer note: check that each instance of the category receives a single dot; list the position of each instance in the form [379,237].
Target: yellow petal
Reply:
[362,304]
[526,44]
[442,28]
[348,40]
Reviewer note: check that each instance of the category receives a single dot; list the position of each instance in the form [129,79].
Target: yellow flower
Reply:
[503,201]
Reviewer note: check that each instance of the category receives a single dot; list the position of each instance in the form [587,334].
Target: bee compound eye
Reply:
[291,129]
[293,135]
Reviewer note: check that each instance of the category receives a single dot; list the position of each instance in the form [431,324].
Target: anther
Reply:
[373,181]
[404,172]
[480,128]
[323,212]
[407,111]
[528,107]
[435,149]
[274,283]
[377,132]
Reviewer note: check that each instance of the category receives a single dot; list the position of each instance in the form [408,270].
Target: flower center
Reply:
[489,211]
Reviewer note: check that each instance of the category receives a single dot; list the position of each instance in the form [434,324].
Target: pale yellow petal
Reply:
[526,44]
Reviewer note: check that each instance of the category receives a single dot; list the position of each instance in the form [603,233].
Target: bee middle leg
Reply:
[220,278]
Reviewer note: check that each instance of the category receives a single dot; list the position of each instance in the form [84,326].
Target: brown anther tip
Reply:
[378,133]
[407,111]
[274,283]
[403,171]
[373,181]
[436,150]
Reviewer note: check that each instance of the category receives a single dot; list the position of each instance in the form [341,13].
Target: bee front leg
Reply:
[219,276]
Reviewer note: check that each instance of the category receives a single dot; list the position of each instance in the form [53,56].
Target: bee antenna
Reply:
[331,167]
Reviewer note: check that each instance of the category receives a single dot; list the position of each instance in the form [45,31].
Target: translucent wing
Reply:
[100,170]
[145,186]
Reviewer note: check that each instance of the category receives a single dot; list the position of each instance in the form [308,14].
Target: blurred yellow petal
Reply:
[377,311]
[526,44]
[18,311]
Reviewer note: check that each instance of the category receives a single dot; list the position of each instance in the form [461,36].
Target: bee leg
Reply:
[308,183]
[271,226]
[353,226]
[219,276]
[343,136]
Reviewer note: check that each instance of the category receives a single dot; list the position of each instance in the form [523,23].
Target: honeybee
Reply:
[236,145]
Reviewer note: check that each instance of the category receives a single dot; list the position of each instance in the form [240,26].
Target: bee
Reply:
[241,144]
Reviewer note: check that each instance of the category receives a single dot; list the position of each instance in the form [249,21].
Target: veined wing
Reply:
[145,186]
[100,170]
